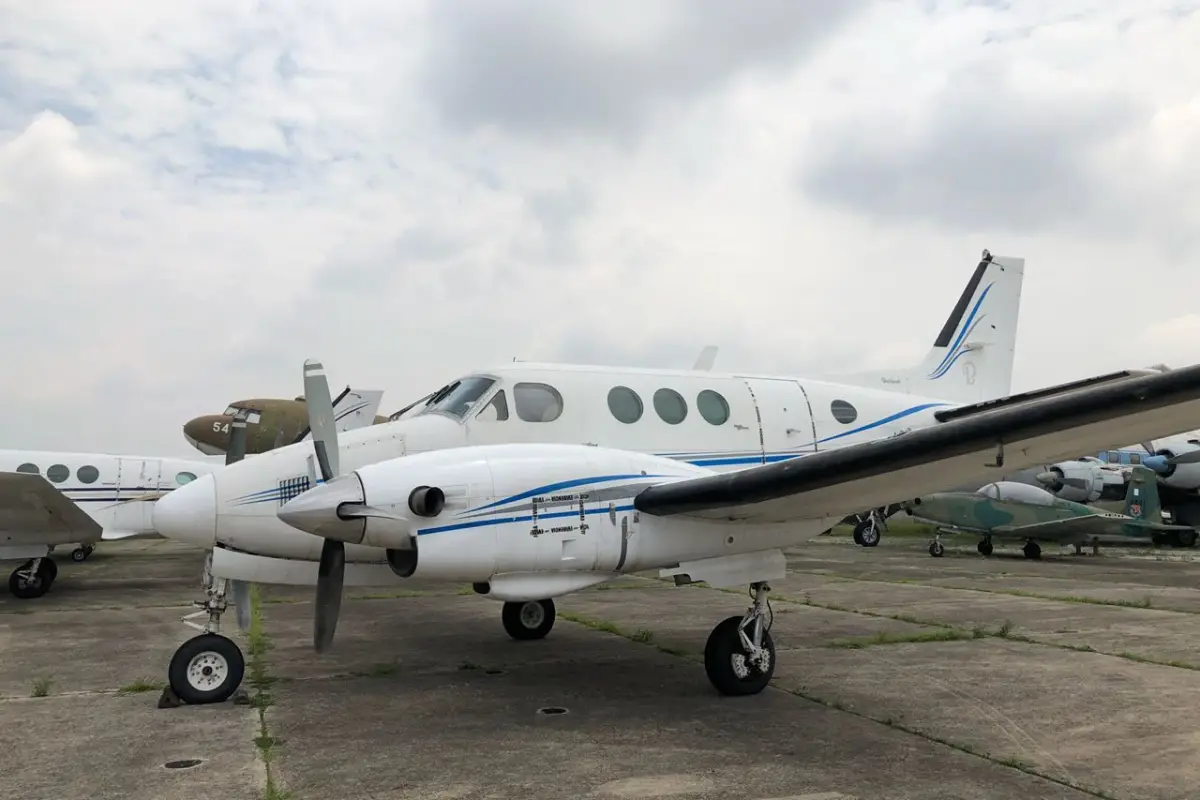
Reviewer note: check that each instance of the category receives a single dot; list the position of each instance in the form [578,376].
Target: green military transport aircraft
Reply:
[1010,510]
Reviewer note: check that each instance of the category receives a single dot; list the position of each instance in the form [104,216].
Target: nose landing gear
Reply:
[33,578]
[207,668]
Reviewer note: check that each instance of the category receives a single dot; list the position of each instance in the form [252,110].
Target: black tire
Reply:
[80,554]
[1032,550]
[857,536]
[1186,538]
[937,549]
[206,669]
[50,570]
[984,547]
[866,534]
[722,645]
[28,588]
[531,619]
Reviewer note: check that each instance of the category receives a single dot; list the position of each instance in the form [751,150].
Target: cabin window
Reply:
[30,469]
[537,402]
[58,473]
[495,411]
[712,407]
[625,404]
[1114,457]
[1135,458]
[843,412]
[670,405]
[182,478]
[87,474]
[458,398]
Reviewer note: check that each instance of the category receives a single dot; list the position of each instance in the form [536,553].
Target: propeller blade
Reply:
[1148,447]
[320,418]
[1185,458]
[331,574]
[237,439]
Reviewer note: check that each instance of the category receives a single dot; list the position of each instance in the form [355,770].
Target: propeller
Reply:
[233,454]
[331,572]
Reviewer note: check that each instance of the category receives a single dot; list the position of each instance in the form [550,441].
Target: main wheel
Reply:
[80,554]
[936,549]
[532,619]
[1032,550]
[1186,538]
[726,664]
[866,533]
[25,585]
[206,669]
[984,547]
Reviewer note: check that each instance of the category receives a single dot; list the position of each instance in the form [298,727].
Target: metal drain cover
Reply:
[185,763]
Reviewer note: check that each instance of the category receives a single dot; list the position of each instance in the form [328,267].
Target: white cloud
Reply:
[197,196]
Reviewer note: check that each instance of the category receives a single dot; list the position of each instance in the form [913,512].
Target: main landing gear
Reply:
[867,532]
[81,553]
[33,578]
[207,668]
[739,656]
[985,546]
[532,619]
[1032,549]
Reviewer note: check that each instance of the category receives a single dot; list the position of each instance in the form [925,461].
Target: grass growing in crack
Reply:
[641,635]
[261,681]
[41,687]
[885,637]
[141,685]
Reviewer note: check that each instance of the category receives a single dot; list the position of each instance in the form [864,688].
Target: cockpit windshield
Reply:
[457,398]
[231,411]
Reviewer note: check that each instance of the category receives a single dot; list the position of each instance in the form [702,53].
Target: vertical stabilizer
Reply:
[972,357]
[1141,498]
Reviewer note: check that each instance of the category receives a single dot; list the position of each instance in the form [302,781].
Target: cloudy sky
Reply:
[197,195]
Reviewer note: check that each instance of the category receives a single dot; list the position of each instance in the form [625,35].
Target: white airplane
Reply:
[85,498]
[629,488]
[49,500]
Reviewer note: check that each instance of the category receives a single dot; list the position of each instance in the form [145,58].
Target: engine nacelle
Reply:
[1180,476]
[1078,481]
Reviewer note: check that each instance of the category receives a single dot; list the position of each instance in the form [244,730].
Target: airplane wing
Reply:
[1100,524]
[962,448]
[30,504]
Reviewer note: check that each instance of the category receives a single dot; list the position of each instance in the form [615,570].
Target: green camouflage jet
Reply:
[1010,510]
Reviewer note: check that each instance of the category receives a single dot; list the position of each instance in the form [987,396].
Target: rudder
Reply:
[1141,498]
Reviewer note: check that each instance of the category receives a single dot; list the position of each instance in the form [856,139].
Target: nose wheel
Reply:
[206,669]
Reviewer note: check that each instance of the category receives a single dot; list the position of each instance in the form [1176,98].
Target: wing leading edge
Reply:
[958,451]
[1099,524]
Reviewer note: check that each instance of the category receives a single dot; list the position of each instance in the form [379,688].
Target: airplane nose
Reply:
[208,434]
[189,513]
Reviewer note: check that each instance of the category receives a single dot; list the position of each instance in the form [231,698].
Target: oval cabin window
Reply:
[58,473]
[537,402]
[712,407]
[184,478]
[87,474]
[670,405]
[843,412]
[625,404]
[30,469]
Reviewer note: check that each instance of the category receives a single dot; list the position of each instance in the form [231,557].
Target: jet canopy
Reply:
[1017,492]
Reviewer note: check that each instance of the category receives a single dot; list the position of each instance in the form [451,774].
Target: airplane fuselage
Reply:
[718,422]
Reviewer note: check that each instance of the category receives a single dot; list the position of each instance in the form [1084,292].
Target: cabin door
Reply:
[784,418]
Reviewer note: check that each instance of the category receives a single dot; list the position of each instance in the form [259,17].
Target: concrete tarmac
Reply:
[898,676]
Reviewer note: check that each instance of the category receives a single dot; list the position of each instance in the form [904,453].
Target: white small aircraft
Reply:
[533,481]
[51,499]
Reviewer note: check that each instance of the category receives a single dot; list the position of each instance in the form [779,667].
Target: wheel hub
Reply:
[532,615]
[207,670]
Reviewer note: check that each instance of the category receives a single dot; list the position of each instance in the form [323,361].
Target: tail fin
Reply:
[1141,498]
[972,357]
[356,408]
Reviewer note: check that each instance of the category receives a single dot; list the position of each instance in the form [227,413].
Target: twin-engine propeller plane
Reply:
[533,481]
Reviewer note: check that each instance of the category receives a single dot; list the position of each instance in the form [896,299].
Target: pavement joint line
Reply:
[1070,599]
[259,644]
[1012,763]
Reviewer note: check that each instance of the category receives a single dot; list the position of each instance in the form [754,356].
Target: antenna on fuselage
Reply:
[706,359]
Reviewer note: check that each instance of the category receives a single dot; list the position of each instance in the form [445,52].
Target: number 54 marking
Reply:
[218,428]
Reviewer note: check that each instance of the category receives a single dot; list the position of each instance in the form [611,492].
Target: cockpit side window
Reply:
[459,397]
[231,411]
[253,417]
[496,410]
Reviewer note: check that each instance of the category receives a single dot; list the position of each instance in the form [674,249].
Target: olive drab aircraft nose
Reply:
[209,433]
